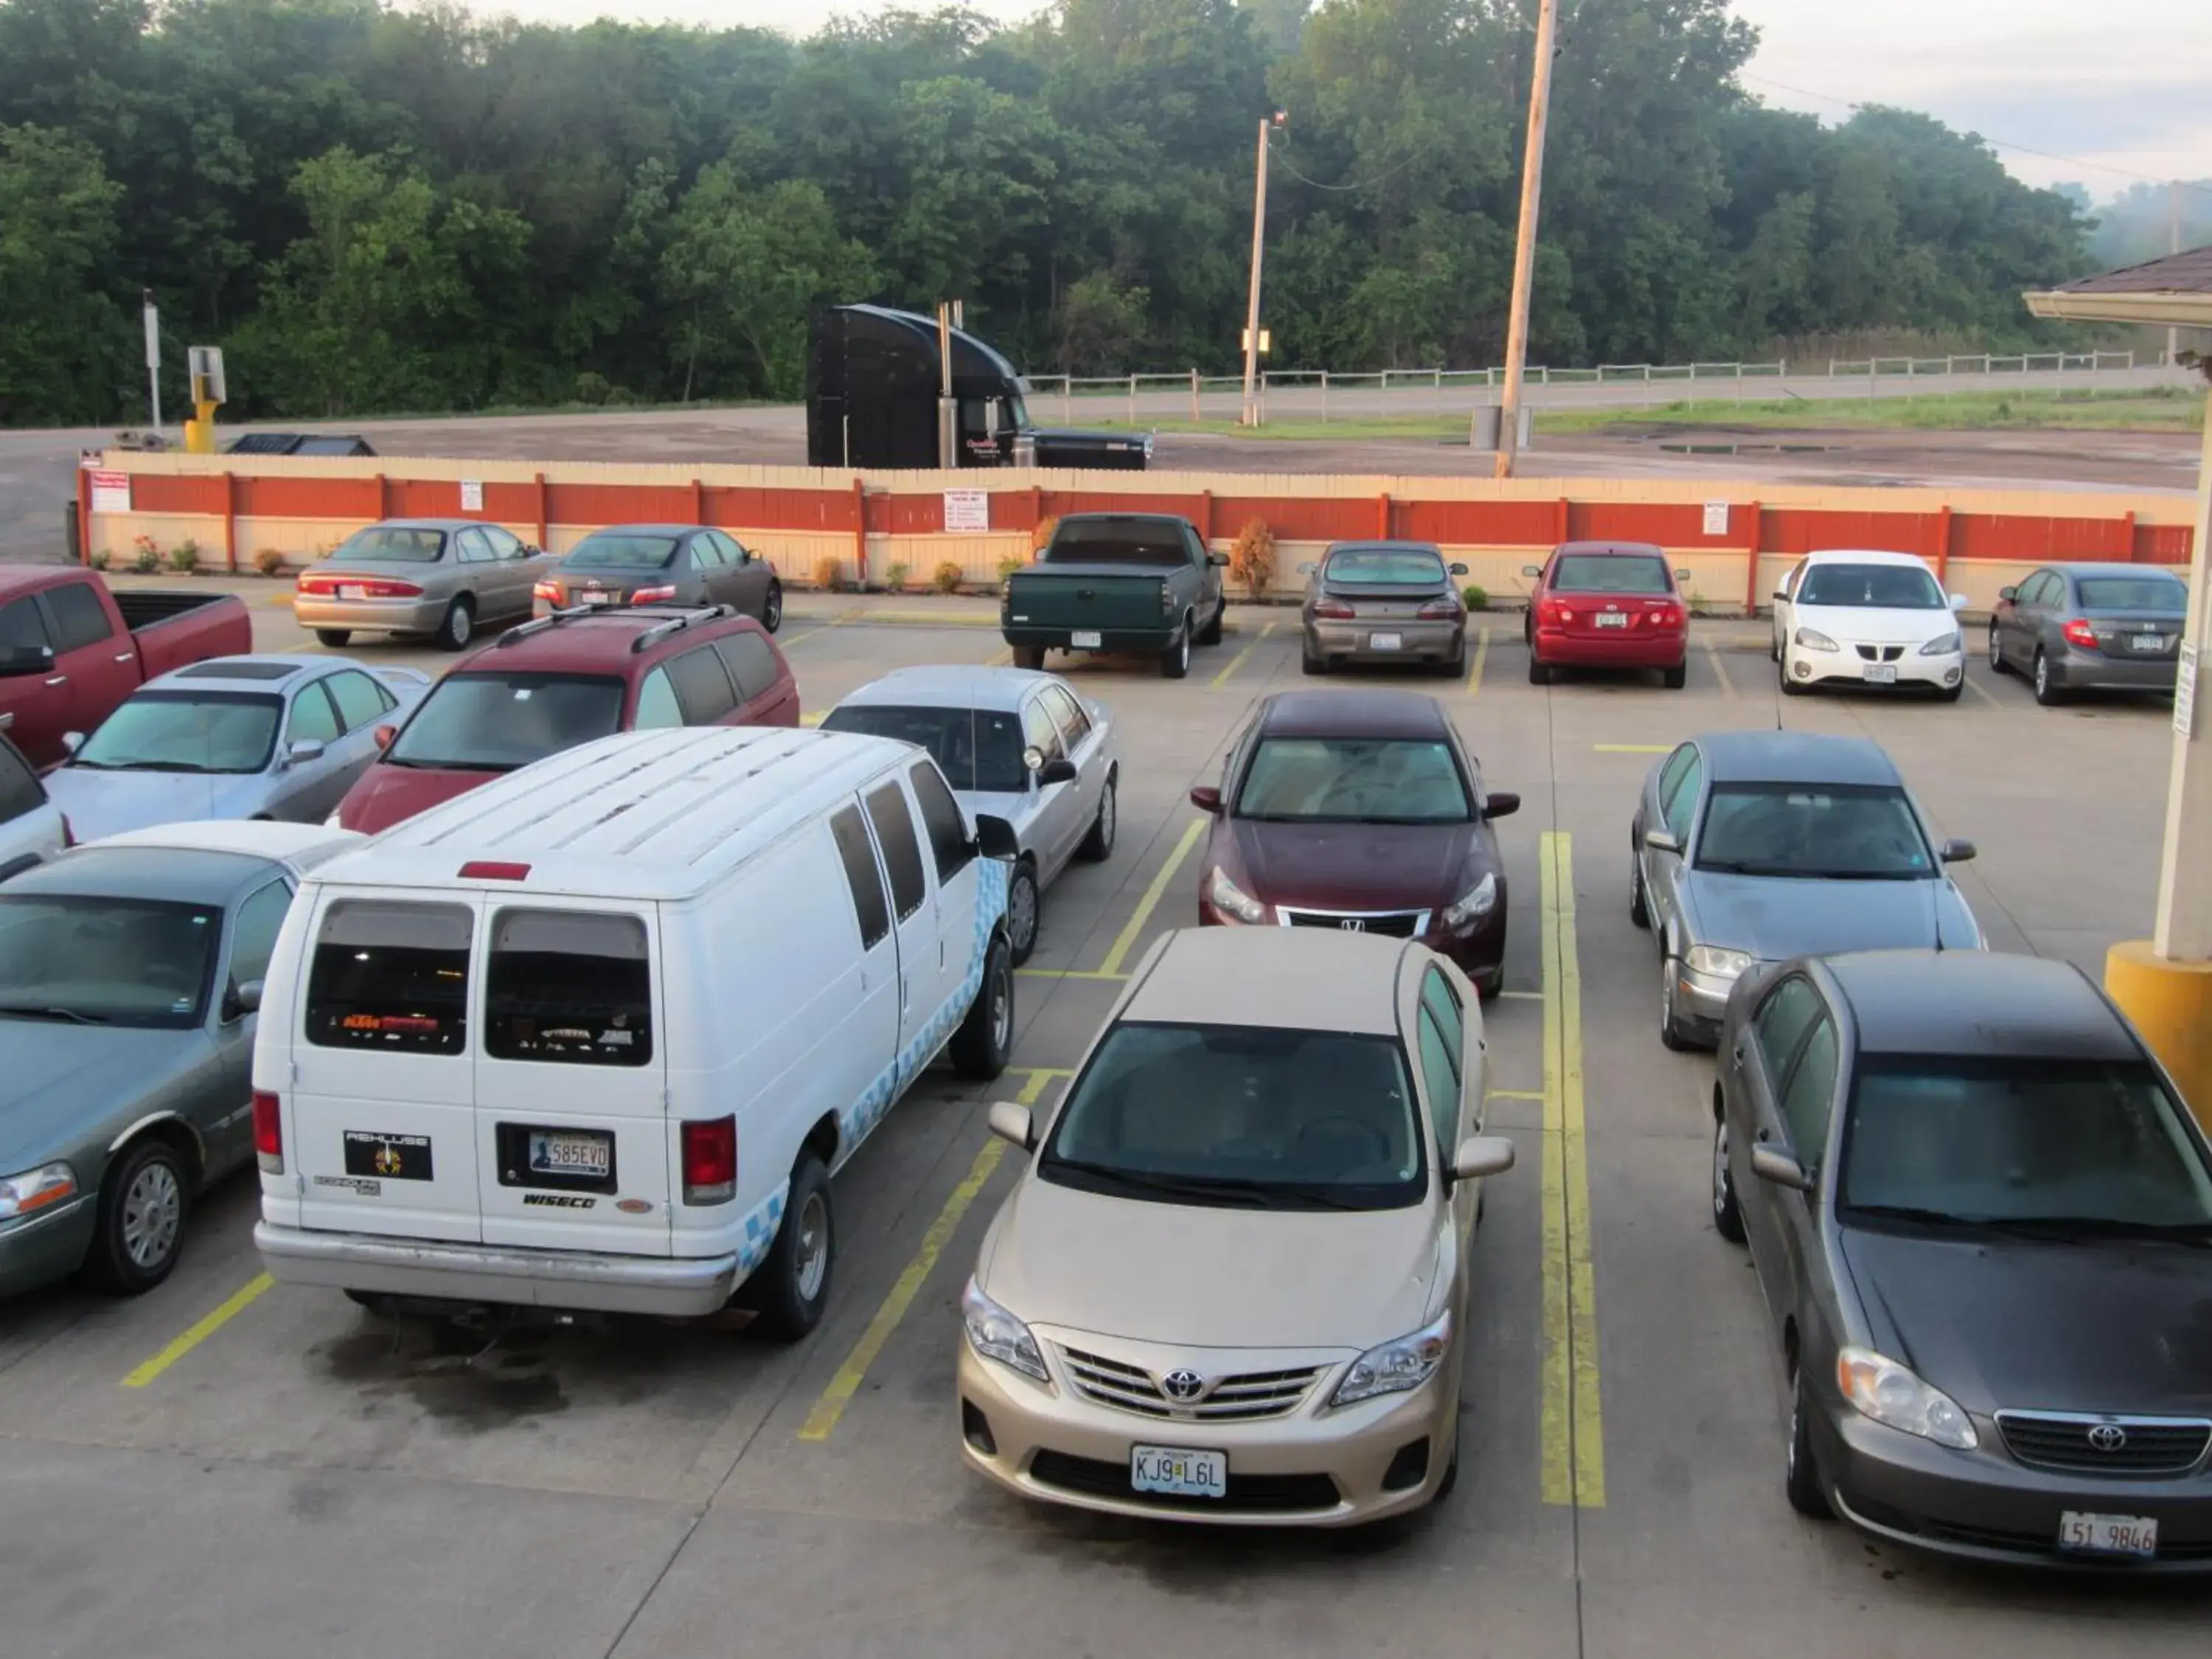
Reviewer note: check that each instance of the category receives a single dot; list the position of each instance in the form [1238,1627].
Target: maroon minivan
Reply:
[551,685]
[1360,810]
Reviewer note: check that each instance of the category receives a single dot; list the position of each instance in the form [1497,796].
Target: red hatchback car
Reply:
[1607,605]
[572,676]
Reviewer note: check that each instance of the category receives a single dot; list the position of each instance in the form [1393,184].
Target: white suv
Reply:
[31,828]
[1868,619]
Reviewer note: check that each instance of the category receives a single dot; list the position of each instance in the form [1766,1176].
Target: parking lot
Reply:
[227,1468]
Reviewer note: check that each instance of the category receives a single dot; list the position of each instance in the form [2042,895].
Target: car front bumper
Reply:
[1354,642]
[46,1247]
[1478,949]
[1701,1001]
[420,615]
[1625,649]
[1979,1505]
[1312,1467]
[2097,671]
[507,1276]
[1847,667]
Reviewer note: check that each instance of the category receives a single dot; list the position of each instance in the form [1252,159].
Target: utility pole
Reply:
[1524,250]
[1251,416]
[153,319]
[2174,245]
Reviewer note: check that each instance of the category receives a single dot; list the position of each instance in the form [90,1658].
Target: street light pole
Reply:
[1524,249]
[2174,245]
[1251,416]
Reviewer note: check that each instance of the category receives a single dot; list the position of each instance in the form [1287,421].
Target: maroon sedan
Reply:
[1361,810]
[1607,605]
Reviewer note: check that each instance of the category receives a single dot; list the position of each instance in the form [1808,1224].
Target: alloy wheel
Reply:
[813,1246]
[153,1214]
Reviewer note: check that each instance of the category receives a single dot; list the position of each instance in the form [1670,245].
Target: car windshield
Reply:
[391,544]
[2158,593]
[1244,1117]
[1610,573]
[2099,1145]
[1117,542]
[621,553]
[1355,781]
[1854,832]
[229,732]
[1385,567]
[977,749]
[1871,587]
[488,722]
[101,961]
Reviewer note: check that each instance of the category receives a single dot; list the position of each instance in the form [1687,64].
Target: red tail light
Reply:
[1438,611]
[1664,616]
[710,1161]
[268,1133]
[2078,632]
[548,592]
[1333,610]
[370,587]
[1552,611]
[494,870]
[652,595]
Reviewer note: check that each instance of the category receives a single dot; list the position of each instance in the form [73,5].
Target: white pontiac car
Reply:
[1868,618]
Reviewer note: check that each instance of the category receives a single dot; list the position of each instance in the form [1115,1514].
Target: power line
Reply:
[1360,183]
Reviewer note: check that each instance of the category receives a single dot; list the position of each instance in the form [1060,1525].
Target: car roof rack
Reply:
[681,616]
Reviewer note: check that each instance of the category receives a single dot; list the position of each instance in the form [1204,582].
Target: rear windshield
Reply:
[392,977]
[978,749]
[393,542]
[1385,567]
[574,989]
[1835,832]
[1610,573]
[1871,586]
[486,722]
[1354,780]
[2156,593]
[184,732]
[104,961]
[621,553]
[1118,542]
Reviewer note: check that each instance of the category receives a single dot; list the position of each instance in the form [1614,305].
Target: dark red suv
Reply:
[553,684]
[1607,605]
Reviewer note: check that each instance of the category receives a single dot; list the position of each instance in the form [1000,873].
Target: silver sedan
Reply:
[1752,848]
[1018,744]
[442,578]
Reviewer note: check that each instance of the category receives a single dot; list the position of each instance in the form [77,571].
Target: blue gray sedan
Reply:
[2091,627]
[265,737]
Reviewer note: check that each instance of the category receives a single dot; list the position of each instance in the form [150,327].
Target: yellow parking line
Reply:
[1126,940]
[1237,661]
[1523,996]
[1514,1094]
[846,1382]
[1633,748]
[1481,656]
[1713,656]
[814,719]
[1572,1454]
[1072,973]
[919,618]
[151,1369]
[1005,655]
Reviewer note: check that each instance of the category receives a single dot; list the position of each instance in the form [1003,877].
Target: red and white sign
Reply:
[111,492]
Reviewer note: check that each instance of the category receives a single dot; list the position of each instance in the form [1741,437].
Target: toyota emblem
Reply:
[2108,1436]
[1183,1385]
[1353,925]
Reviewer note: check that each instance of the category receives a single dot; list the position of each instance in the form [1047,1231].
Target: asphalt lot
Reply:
[223,1468]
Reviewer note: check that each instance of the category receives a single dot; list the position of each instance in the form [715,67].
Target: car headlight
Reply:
[1228,895]
[26,1195]
[1396,1366]
[1721,964]
[997,1334]
[1884,1390]
[1944,645]
[1479,900]
[1812,638]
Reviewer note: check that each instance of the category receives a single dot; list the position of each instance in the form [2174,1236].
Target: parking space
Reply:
[222,1451]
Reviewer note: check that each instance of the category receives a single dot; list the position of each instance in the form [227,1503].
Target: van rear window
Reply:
[570,986]
[392,977]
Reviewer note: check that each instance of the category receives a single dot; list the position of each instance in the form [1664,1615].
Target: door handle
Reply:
[58,680]
[126,656]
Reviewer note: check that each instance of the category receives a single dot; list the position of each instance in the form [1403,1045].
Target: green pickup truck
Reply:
[1117,581]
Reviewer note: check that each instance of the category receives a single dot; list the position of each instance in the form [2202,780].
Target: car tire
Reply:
[1309,663]
[139,1232]
[336,638]
[1540,674]
[985,1041]
[1997,663]
[1028,656]
[1670,1028]
[1455,666]
[789,1290]
[2048,691]
[1952,693]
[1640,907]
[1801,1470]
[1728,1214]
[1488,986]
[1098,846]
[1211,634]
[1025,909]
[772,607]
[1774,648]
[457,626]
[1677,677]
[375,1302]
[1174,661]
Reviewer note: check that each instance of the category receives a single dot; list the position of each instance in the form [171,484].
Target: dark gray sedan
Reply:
[665,564]
[1982,1219]
[2091,627]
[131,972]
[439,577]
[1384,602]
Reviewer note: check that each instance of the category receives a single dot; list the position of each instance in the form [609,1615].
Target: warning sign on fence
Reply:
[111,492]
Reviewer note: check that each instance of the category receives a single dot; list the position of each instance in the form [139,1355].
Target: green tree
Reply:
[65,346]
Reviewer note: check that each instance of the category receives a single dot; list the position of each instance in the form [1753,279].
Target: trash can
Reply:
[72,532]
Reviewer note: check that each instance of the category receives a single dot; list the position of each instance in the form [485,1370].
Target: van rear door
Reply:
[574,1142]
[383,1126]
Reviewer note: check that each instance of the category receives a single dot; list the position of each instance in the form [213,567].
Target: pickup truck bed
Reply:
[1127,582]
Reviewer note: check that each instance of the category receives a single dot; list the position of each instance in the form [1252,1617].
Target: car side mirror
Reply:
[1958,852]
[1502,804]
[995,837]
[1219,561]
[1958,602]
[243,1000]
[1771,1164]
[1482,1155]
[1206,798]
[1532,570]
[1662,841]
[1458,569]
[72,741]
[307,749]
[384,736]
[1781,594]
[2008,594]
[1061,770]
[1013,1124]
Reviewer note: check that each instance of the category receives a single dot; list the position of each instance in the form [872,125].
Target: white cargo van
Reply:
[595,1036]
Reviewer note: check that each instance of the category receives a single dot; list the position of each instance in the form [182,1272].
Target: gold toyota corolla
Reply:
[1231,1285]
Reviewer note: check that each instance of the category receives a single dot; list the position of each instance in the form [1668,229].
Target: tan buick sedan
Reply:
[1231,1286]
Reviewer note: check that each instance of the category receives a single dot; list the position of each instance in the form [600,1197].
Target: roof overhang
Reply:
[2160,310]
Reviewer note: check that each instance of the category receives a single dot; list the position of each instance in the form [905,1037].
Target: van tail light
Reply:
[652,595]
[494,870]
[2078,632]
[1333,610]
[710,1161]
[268,1133]
[548,592]
[1441,609]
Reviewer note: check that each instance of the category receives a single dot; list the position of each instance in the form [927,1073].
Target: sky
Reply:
[2112,97]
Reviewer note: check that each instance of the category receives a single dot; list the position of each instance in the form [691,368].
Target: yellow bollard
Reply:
[199,435]
[2171,1004]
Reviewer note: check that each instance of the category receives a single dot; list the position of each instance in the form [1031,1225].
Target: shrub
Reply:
[948,577]
[100,559]
[184,557]
[1042,536]
[269,561]
[148,559]
[592,387]
[1252,560]
[1008,565]
[829,573]
[1476,598]
[895,579]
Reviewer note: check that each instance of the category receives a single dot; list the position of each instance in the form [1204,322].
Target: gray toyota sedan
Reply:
[1750,848]
[1982,1221]
[1384,602]
[441,578]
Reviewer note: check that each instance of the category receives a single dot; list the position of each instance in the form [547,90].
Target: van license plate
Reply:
[2108,1535]
[1881,673]
[586,1152]
[1085,639]
[1178,1472]
[1385,643]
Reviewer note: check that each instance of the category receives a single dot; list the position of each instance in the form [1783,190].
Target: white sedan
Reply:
[1864,618]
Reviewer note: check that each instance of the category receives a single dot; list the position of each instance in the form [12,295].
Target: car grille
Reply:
[1241,1399]
[1882,653]
[1391,924]
[1252,1493]
[2146,1446]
